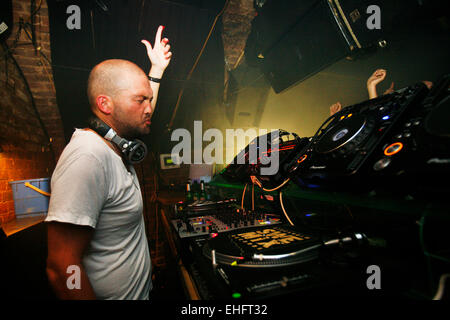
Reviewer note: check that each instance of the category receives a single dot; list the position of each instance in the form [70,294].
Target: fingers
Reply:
[429,84]
[335,108]
[379,73]
[164,44]
[167,48]
[378,76]
[160,53]
[158,34]
[147,45]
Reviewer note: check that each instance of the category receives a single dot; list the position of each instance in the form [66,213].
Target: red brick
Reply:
[7,196]
[3,207]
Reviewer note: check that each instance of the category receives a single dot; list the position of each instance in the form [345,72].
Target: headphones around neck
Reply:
[134,151]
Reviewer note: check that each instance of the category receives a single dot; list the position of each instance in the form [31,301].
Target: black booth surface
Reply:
[23,256]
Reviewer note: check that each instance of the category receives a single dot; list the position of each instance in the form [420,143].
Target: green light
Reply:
[236,295]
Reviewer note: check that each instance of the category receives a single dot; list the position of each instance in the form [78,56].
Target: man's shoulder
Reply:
[87,143]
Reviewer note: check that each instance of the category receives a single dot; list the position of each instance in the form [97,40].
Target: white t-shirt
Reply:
[92,187]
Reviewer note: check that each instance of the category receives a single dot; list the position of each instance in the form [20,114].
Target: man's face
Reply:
[132,107]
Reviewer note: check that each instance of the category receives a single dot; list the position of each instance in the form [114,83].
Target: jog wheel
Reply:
[347,133]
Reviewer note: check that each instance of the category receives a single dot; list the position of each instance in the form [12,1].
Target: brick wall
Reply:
[35,62]
[27,151]
[236,20]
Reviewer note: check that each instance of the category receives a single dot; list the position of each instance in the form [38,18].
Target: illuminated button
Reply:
[342,117]
[236,295]
[393,148]
[381,164]
[349,115]
[302,158]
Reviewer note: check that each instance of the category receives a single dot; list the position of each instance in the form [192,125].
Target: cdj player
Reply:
[343,151]
[244,166]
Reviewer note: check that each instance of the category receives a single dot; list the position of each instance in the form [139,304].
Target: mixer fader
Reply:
[222,221]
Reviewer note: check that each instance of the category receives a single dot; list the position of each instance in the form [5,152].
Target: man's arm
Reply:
[373,81]
[66,246]
[160,57]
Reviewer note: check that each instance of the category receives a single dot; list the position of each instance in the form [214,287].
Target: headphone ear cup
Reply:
[136,151]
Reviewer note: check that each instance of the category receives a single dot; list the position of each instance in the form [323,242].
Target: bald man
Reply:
[97,246]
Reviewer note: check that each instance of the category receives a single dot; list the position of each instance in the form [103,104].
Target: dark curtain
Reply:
[114,29]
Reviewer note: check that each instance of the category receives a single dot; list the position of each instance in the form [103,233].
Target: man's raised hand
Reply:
[159,54]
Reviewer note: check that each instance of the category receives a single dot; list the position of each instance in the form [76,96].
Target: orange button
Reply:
[393,148]
[302,158]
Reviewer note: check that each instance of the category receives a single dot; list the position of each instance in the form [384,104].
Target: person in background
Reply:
[377,76]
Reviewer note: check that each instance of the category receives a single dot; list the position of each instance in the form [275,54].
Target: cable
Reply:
[284,211]
[33,104]
[33,30]
[37,9]
[243,196]
[270,190]
[440,291]
[195,63]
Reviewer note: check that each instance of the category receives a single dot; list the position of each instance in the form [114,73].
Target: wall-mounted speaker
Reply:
[292,40]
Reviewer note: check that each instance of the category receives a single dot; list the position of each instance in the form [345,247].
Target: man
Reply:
[97,247]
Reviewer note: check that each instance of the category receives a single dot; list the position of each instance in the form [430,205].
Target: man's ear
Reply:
[104,104]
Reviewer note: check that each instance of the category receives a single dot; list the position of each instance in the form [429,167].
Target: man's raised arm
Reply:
[160,57]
